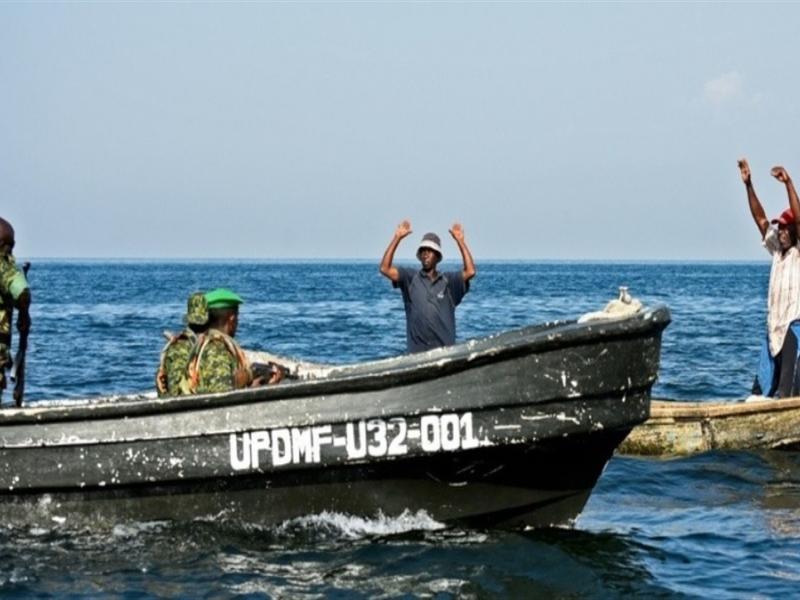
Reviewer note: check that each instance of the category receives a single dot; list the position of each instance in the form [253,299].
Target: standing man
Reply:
[776,374]
[14,293]
[171,376]
[430,297]
[219,363]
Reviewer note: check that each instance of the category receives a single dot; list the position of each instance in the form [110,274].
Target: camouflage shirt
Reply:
[12,284]
[171,379]
[218,360]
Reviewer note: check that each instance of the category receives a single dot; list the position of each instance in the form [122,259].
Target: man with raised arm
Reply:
[430,297]
[776,375]
[14,293]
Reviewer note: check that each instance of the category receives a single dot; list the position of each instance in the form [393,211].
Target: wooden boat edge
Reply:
[677,429]
[661,409]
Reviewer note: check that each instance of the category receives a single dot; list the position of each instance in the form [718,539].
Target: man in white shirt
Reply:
[780,238]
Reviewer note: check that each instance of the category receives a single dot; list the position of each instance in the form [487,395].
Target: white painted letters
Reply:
[352,441]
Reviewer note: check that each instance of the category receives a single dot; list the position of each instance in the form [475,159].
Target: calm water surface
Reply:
[723,525]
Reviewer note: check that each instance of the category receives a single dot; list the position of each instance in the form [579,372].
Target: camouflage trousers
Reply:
[5,362]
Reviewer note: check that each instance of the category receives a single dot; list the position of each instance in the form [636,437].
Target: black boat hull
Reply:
[524,485]
[508,431]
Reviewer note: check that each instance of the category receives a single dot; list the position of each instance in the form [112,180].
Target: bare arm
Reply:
[756,209]
[781,175]
[387,268]
[469,265]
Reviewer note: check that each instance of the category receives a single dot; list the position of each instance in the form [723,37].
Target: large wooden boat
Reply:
[680,428]
[509,430]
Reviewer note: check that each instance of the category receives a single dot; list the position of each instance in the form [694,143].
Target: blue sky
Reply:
[602,131]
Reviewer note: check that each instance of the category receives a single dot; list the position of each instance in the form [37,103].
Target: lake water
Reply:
[721,525]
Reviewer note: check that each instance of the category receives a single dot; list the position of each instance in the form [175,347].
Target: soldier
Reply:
[219,364]
[171,378]
[14,293]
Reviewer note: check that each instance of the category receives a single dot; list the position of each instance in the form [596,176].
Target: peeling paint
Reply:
[564,417]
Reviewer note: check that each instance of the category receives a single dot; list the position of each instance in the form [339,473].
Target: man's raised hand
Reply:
[457,232]
[744,170]
[403,230]
[780,174]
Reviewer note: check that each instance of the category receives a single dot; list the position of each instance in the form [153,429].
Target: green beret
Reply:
[222,298]
[197,309]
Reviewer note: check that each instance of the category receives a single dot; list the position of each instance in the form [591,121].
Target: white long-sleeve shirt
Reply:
[783,300]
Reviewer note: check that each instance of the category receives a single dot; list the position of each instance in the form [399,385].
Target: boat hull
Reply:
[509,431]
[682,428]
[523,485]
[521,478]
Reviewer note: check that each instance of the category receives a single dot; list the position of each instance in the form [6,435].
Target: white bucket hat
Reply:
[432,241]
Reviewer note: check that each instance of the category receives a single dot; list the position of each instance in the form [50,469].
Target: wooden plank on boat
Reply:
[681,428]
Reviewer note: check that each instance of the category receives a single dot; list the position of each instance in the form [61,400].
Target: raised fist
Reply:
[744,169]
[780,174]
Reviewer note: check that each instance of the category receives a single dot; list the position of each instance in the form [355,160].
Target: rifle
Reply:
[18,370]
[267,370]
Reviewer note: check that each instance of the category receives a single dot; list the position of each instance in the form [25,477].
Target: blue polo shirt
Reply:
[430,307]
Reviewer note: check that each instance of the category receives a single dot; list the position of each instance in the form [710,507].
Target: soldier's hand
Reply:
[780,174]
[277,377]
[403,230]
[161,381]
[457,232]
[744,170]
[241,378]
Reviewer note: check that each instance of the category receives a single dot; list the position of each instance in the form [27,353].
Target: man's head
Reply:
[429,251]
[6,237]
[223,310]
[197,312]
[787,230]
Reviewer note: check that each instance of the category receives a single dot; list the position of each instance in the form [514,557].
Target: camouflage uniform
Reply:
[12,284]
[220,365]
[175,357]
[171,379]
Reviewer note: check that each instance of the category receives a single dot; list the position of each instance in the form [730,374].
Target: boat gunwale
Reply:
[677,410]
[374,375]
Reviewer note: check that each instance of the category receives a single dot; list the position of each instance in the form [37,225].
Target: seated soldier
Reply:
[219,364]
[171,376]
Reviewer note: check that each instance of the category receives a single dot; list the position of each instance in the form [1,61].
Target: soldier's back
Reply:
[176,356]
[217,364]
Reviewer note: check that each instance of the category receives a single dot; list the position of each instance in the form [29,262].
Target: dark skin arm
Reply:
[756,209]
[469,265]
[781,175]
[387,268]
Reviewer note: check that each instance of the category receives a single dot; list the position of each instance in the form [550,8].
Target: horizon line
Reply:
[371,260]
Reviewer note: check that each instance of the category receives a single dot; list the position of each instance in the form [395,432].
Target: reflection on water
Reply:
[707,514]
[781,497]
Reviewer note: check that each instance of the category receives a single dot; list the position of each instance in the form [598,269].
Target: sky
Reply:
[605,131]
